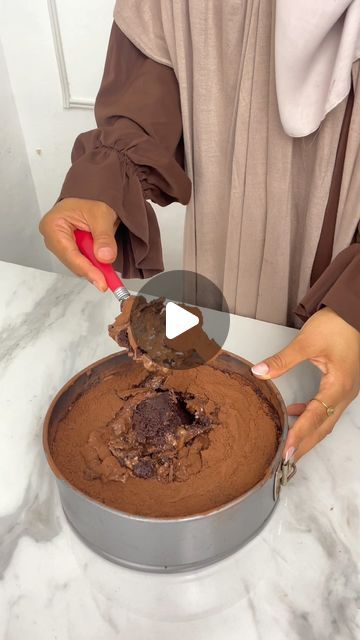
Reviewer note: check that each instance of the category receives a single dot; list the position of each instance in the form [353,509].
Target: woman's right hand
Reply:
[58,226]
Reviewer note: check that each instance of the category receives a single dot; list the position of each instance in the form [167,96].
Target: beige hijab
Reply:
[316,43]
[259,195]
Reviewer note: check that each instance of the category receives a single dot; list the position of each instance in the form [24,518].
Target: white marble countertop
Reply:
[299,579]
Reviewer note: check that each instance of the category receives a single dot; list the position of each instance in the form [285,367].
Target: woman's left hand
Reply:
[333,346]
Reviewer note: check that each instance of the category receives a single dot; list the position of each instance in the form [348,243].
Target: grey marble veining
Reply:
[299,579]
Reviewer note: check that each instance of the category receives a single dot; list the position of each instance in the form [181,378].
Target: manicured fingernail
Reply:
[105,253]
[289,453]
[261,369]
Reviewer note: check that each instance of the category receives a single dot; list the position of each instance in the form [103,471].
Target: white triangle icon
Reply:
[178,320]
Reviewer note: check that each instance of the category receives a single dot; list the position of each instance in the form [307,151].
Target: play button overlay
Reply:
[178,320]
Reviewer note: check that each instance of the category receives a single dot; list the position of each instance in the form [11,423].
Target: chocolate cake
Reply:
[167,445]
[159,437]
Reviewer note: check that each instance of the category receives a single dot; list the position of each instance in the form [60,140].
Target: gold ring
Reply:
[329,409]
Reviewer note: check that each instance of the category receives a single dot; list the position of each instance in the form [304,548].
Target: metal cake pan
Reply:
[167,544]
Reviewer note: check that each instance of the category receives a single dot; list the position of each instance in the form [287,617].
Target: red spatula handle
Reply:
[85,242]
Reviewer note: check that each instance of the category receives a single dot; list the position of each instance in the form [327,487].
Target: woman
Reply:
[265,101]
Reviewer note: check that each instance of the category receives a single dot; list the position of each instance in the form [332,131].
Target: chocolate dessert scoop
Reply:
[141,328]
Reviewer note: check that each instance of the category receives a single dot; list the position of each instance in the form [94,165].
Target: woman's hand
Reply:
[333,346]
[58,226]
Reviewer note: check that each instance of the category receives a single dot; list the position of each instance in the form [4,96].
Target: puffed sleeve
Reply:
[136,153]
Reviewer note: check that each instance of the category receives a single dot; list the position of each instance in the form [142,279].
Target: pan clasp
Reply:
[284,473]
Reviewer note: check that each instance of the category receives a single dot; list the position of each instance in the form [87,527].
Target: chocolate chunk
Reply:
[203,421]
[158,416]
[145,468]
[122,339]
[153,435]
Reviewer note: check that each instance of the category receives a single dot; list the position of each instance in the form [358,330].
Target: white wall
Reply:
[19,208]
[46,60]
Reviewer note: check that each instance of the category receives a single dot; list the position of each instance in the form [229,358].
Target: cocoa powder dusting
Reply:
[168,445]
